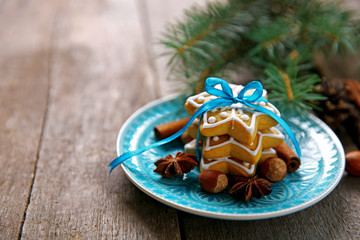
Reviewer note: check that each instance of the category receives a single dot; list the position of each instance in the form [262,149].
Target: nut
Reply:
[212,181]
[353,163]
[274,169]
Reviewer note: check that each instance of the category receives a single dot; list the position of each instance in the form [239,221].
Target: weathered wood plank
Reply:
[97,66]
[99,76]
[25,31]
[335,217]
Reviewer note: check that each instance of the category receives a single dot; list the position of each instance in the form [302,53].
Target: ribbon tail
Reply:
[117,161]
[204,108]
[283,124]
[197,140]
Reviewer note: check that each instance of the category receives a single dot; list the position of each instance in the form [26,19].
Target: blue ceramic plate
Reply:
[322,167]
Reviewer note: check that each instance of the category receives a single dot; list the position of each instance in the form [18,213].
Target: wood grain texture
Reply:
[24,69]
[335,217]
[98,78]
[71,73]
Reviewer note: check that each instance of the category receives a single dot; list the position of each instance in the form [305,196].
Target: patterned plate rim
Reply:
[225,216]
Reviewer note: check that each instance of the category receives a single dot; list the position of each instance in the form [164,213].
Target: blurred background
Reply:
[72,72]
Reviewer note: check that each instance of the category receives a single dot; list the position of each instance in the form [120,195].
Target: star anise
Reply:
[175,166]
[245,188]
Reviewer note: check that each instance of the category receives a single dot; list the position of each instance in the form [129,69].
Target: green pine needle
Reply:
[286,85]
[280,36]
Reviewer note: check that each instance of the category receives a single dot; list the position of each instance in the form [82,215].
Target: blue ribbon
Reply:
[226,98]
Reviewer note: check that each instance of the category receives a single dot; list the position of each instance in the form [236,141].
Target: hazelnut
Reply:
[274,169]
[212,181]
[353,163]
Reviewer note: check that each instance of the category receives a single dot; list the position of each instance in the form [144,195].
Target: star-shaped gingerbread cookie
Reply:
[228,165]
[236,120]
[225,146]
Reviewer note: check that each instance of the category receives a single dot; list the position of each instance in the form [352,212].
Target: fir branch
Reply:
[286,85]
[281,36]
[327,27]
[200,42]
[308,27]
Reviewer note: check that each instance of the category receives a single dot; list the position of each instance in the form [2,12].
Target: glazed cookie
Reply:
[193,129]
[267,153]
[228,165]
[225,145]
[235,120]
[190,147]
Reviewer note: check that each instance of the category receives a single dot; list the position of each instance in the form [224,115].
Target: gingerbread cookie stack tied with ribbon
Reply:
[234,124]
[235,138]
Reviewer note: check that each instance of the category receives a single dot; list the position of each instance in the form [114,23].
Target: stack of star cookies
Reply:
[235,138]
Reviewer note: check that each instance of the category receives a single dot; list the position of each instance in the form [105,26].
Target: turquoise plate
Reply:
[322,167]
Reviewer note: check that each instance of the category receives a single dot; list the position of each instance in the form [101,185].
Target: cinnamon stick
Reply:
[291,159]
[167,129]
[186,137]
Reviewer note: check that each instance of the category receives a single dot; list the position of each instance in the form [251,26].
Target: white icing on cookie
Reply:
[245,117]
[223,114]
[269,151]
[216,138]
[235,89]
[274,134]
[190,145]
[201,99]
[233,117]
[242,165]
[192,100]
[212,119]
[246,164]
[196,102]
[237,105]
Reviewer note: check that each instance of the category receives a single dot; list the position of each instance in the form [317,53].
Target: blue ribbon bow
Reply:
[226,98]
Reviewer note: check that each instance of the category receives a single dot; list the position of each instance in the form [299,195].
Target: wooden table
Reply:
[71,73]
